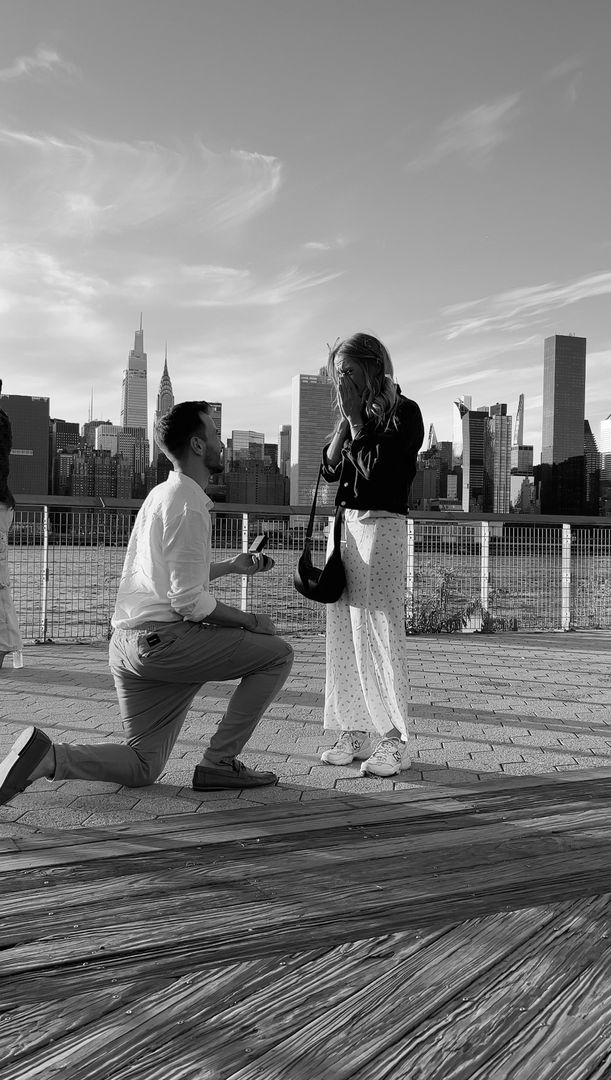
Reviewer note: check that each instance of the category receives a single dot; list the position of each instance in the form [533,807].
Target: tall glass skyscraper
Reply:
[29,461]
[311,424]
[605,464]
[284,449]
[593,470]
[457,428]
[605,446]
[134,409]
[486,458]
[562,450]
[473,452]
[499,437]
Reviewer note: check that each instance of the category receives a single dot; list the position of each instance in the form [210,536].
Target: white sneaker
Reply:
[389,757]
[350,745]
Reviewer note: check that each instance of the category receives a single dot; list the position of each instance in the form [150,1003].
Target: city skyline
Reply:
[570,471]
[165,393]
[261,178]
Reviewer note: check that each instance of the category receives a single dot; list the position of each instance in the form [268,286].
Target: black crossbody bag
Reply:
[325,585]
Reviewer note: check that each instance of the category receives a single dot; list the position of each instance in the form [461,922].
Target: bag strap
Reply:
[310,528]
[337,528]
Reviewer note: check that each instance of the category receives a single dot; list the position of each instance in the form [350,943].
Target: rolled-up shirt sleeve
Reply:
[186,550]
[330,473]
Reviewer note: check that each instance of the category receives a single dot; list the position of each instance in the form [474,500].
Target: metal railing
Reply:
[475,573]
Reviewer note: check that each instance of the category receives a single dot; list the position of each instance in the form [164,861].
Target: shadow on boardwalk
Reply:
[482,707]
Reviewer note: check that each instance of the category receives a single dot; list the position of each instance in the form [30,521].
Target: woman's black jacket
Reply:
[376,469]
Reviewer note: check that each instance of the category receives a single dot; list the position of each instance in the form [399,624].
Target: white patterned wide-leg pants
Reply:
[366,650]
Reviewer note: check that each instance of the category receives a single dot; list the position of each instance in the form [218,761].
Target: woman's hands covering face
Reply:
[351,399]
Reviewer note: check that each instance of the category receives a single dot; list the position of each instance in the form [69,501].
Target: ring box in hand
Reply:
[257,546]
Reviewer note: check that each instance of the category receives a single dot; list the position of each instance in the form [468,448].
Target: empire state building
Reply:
[134,411]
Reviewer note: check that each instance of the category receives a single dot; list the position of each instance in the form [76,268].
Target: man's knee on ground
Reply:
[146,771]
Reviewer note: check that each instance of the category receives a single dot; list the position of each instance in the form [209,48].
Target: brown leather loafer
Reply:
[229,774]
[25,754]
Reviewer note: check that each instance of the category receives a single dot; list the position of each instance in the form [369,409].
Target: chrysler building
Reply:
[165,400]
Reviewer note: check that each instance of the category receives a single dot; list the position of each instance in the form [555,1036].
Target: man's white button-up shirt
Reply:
[166,574]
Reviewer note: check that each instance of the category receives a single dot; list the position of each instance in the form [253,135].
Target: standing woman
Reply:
[373,454]
[10,638]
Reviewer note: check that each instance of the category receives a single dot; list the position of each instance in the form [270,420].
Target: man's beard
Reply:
[214,463]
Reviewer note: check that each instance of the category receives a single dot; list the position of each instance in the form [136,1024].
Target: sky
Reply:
[260,177]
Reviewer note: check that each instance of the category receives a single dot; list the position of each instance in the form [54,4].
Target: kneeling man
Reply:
[171,636]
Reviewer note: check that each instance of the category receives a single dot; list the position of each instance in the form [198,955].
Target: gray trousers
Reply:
[157,674]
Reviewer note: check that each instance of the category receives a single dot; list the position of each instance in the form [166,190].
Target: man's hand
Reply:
[251,562]
[264,625]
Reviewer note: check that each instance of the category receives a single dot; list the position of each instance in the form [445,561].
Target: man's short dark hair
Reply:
[174,429]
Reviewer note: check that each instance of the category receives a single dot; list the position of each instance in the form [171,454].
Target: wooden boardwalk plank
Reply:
[406,865]
[246,1022]
[221,989]
[378,838]
[192,830]
[455,935]
[231,985]
[400,863]
[263,924]
[450,1025]
[515,795]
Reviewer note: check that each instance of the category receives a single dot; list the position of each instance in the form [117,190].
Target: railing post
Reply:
[409,578]
[246,581]
[566,577]
[45,573]
[484,564]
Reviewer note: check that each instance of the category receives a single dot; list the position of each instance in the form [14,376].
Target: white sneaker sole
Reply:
[384,771]
[15,751]
[328,760]
[329,757]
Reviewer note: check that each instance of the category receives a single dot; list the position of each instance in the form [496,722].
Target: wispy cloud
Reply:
[206,286]
[467,377]
[36,284]
[290,284]
[236,186]
[569,74]
[518,308]
[473,134]
[85,186]
[566,67]
[43,62]
[335,244]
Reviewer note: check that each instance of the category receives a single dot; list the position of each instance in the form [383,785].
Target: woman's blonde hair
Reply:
[381,394]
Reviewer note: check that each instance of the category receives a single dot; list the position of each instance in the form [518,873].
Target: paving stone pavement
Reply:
[483,706]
